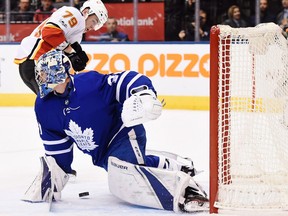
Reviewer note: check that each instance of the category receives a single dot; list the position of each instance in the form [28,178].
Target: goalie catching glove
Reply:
[78,58]
[141,107]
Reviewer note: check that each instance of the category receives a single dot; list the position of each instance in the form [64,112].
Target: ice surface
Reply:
[182,132]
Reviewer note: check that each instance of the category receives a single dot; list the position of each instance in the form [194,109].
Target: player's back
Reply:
[71,21]
[68,19]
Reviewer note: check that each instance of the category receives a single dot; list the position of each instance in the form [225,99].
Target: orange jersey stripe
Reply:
[19,61]
[52,36]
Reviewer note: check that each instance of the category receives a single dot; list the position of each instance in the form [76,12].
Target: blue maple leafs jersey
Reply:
[90,116]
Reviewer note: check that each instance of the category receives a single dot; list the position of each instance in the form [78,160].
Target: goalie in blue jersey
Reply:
[103,116]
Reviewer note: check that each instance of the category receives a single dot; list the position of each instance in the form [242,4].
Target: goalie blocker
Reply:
[50,176]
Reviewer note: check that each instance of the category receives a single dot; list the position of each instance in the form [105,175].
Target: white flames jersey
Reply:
[65,26]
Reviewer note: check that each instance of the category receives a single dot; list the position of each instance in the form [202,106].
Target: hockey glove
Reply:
[77,63]
[77,47]
[141,107]
[82,54]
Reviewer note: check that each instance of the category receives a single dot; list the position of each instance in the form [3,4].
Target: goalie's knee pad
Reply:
[150,187]
[50,176]
[174,162]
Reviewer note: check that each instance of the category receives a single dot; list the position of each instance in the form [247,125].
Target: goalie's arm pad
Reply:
[141,107]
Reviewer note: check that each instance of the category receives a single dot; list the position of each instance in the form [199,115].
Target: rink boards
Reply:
[179,72]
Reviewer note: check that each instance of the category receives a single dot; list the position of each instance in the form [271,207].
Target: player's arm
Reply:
[54,35]
[58,147]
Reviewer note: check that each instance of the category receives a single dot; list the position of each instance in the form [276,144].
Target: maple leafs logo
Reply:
[83,140]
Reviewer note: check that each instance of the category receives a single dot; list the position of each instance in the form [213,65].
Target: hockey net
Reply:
[248,118]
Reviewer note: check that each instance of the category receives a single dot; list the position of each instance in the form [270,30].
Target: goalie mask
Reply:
[98,8]
[51,69]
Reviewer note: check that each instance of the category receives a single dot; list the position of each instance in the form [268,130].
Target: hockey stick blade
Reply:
[50,198]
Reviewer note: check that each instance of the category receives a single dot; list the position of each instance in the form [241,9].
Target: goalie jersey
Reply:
[89,116]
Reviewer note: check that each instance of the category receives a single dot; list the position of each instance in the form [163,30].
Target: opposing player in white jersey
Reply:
[63,30]
[103,116]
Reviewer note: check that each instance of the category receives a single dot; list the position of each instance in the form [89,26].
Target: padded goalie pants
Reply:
[130,148]
[27,74]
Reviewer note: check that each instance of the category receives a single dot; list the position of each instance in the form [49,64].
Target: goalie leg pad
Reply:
[146,186]
[50,174]
[171,161]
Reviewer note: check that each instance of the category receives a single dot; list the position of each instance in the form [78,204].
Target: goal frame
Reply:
[221,106]
[214,59]
[214,113]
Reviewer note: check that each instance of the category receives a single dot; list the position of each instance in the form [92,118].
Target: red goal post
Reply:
[248,119]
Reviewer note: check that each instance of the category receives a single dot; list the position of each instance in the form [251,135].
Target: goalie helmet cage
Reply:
[248,119]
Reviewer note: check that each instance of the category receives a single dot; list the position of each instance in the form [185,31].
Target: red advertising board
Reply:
[17,31]
[150,23]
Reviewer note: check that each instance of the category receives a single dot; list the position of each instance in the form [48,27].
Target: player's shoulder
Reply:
[130,73]
[45,104]
[91,73]
[63,16]
[69,10]
[72,9]
[90,76]
[97,76]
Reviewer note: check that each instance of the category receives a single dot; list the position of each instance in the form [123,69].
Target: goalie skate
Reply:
[194,202]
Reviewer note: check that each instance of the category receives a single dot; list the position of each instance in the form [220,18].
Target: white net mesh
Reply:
[253,132]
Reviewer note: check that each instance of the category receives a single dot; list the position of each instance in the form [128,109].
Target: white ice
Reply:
[182,132]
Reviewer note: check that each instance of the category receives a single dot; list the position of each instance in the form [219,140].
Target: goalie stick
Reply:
[50,196]
[54,194]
